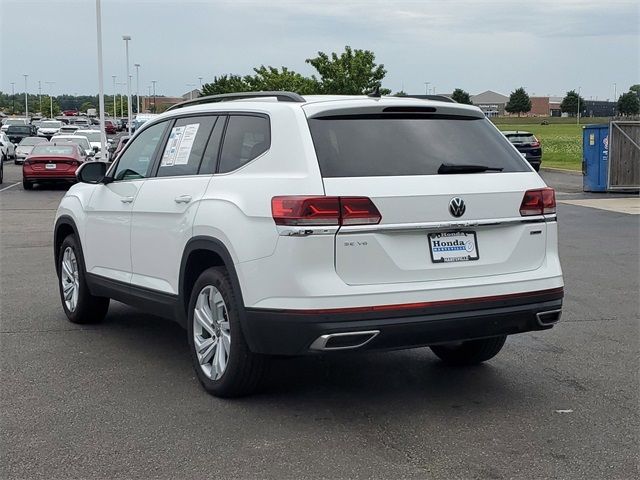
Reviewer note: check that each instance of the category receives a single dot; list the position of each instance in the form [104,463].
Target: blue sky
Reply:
[546,46]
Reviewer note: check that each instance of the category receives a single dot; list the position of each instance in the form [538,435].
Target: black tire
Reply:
[244,369]
[471,352]
[89,308]
[27,185]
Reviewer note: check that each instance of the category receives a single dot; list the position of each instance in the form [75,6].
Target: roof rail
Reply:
[281,96]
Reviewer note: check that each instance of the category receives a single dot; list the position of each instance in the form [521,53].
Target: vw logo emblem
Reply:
[457,207]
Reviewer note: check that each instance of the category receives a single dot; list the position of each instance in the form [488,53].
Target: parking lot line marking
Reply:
[619,205]
[10,186]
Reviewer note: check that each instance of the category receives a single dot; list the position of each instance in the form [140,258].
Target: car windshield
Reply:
[51,124]
[393,145]
[14,121]
[52,150]
[82,141]
[19,129]
[92,136]
[27,142]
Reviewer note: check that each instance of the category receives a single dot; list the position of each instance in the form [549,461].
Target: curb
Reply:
[562,170]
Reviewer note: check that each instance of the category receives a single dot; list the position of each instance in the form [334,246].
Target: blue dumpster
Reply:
[595,158]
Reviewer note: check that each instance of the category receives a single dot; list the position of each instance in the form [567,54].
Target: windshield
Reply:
[92,136]
[14,121]
[51,124]
[386,145]
[82,141]
[27,142]
[52,150]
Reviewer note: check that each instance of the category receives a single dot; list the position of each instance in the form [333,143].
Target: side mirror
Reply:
[91,172]
[96,149]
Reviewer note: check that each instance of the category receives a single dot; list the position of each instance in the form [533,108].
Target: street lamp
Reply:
[13,97]
[26,102]
[121,84]
[103,134]
[40,95]
[137,65]
[50,97]
[200,78]
[115,112]
[426,85]
[578,116]
[126,39]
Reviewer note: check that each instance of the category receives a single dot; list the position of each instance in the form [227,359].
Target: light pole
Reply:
[13,97]
[200,79]
[426,85]
[50,97]
[26,102]
[40,95]
[122,84]
[137,65]
[578,116]
[149,97]
[115,112]
[126,39]
[103,134]
[153,82]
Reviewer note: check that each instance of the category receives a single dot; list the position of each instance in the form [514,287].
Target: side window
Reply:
[185,146]
[136,161]
[246,138]
[208,165]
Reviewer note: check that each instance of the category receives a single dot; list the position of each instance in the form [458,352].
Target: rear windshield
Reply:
[14,121]
[393,145]
[52,150]
[28,141]
[51,124]
[19,128]
[521,137]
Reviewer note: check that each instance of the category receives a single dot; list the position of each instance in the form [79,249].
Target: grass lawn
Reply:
[561,143]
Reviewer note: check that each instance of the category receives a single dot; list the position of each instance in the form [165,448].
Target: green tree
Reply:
[461,96]
[629,103]
[519,102]
[570,103]
[401,93]
[635,88]
[273,79]
[86,106]
[353,72]
[225,84]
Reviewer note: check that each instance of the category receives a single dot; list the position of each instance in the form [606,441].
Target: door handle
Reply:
[126,199]
[183,199]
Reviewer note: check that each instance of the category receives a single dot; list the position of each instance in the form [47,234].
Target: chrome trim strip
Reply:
[320,343]
[287,231]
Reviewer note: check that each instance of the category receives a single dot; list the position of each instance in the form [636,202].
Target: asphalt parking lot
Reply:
[120,399]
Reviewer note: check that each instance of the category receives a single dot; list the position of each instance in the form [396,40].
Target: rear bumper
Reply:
[292,332]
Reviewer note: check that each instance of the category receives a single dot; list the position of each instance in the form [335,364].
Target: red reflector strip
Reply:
[421,305]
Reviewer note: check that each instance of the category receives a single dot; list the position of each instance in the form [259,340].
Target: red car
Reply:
[52,163]
[109,127]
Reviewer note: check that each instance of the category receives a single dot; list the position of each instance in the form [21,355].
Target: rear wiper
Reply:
[470,168]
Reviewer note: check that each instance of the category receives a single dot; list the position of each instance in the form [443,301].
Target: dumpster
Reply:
[595,158]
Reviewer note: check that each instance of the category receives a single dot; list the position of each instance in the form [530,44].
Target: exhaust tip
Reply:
[343,341]
[549,318]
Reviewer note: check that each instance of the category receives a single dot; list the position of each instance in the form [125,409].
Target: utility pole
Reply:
[426,85]
[153,82]
[126,39]
[137,65]
[122,84]
[13,97]
[115,113]
[50,97]
[26,102]
[103,133]
[40,95]
[578,121]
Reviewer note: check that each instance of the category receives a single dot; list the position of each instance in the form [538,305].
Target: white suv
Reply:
[272,224]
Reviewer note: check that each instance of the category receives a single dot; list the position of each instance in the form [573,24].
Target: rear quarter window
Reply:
[246,138]
[397,145]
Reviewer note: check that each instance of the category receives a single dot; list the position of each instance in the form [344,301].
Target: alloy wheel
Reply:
[69,279]
[211,332]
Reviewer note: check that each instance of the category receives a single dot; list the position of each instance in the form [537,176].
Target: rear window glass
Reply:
[52,150]
[19,129]
[28,141]
[395,145]
[521,138]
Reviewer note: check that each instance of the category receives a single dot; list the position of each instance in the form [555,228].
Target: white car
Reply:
[79,140]
[48,128]
[7,122]
[7,147]
[94,140]
[283,225]
[23,150]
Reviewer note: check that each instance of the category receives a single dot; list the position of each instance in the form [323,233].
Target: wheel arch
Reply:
[200,253]
[64,226]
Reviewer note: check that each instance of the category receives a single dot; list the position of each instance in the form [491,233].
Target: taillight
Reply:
[324,211]
[538,202]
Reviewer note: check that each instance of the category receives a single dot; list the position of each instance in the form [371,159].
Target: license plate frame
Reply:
[467,242]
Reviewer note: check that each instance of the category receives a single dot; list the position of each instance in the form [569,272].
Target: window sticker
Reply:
[171,150]
[186,144]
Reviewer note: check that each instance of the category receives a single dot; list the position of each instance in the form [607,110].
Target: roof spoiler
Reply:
[438,98]
[280,96]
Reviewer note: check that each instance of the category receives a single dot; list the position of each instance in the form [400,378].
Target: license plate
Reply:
[50,166]
[453,247]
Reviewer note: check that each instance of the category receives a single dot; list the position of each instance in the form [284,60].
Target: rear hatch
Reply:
[437,222]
